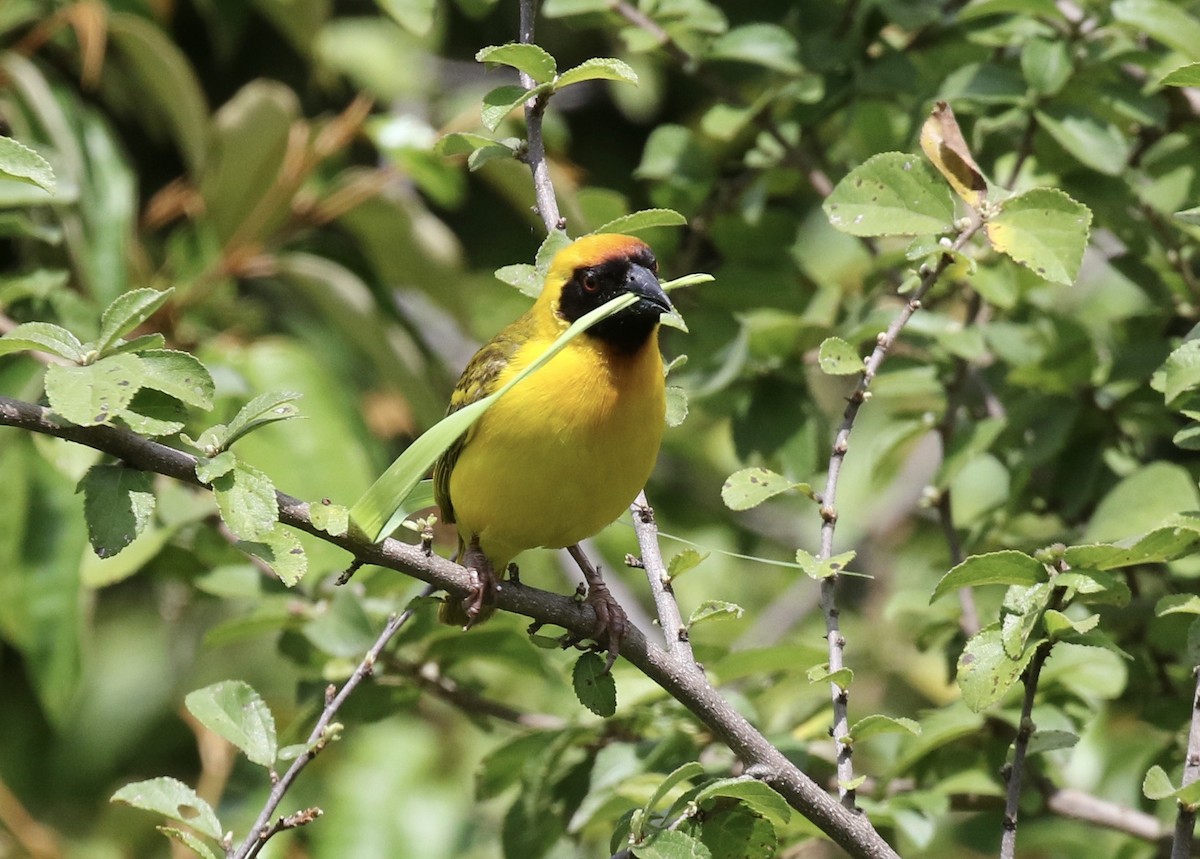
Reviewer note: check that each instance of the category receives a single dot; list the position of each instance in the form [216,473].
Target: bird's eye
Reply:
[590,281]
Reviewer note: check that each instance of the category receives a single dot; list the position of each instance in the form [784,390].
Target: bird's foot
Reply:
[480,602]
[611,620]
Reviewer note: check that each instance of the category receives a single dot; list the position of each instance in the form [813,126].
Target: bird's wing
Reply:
[477,381]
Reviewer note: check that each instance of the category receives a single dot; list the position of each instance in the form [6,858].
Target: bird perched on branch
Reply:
[565,451]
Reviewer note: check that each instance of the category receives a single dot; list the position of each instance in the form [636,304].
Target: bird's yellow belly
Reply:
[561,455]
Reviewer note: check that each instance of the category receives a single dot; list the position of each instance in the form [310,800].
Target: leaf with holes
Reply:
[710,610]
[836,357]
[233,710]
[891,194]
[178,375]
[1044,230]
[117,504]
[246,498]
[281,551]
[752,486]
[94,394]
[594,687]
[173,799]
[985,670]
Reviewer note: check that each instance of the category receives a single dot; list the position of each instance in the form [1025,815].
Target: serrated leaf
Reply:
[671,844]
[985,670]
[189,841]
[282,552]
[752,486]
[117,505]
[233,710]
[530,59]
[521,275]
[262,410]
[331,518]
[174,799]
[1159,546]
[738,832]
[1007,567]
[501,101]
[128,311]
[761,44]
[1188,75]
[1180,373]
[246,499]
[758,795]
[874,725]
[1177,604]
[891,194]
[1058,623]
[1044,230]
[43,337]
[684,561]
[18,161]
[461,143]
[178,375]
[1189,216]
[381,508]
[208,470]
[1049,741]
[943,143]
[836,357]
[646,219]
[139,344]
[597,68]
[715,610]
[686,772]
[823,568]
[94,394]
[491,152]
[842,678]
[677,405]
[594,687]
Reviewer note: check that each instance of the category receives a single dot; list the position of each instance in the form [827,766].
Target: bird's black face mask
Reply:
[594,285]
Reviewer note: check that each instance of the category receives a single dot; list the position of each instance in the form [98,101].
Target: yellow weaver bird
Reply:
[565,451]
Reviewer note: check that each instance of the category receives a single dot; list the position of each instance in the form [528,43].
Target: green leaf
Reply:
[43,337]
[677,404]
[1096,144]
[715,610]
[1007,567]
[836,357]
[380,510]
[416,16]
[1180,373]
[189,841]
[523,276]
[1049,741]
[1177,604]
[282,552]
[761,44]
[985,670]
[756,794]
[246,498]
[233,710]
[331,518]
[1190,216]
[117,504]
[1046,65]
[566,8]
[597,68]
[686,772]
[1146,500]
[530,59]
[208,470]
[461,143]
[1044,230]
[96,572]
[96,393]
[1058,623]
[179,375]
[752,486]
[738,832]
[842,678]
[173,799]
[18,161]
[594,687]
[1157,784]
[484,154]
[262,410]
[684,561]
[671,844]
[1162,20]
[874,725]
[501,101]
[1188,76]
[646,219]
[891,194]
[127,312]
[818,568]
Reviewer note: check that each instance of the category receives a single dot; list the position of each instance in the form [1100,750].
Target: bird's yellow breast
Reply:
[564,452]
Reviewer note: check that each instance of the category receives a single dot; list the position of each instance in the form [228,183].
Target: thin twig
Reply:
[852,832]
[1013,772]
[841,444]
[320,736]
[674,631]
[1185,819]
[38,840]
[535,153]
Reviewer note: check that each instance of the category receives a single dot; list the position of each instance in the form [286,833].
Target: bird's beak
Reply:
[643,283]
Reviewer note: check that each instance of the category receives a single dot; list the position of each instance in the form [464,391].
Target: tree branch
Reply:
[535,153]
[851,831]
[320,736]
[1185,819]
[669,618]
[841,444]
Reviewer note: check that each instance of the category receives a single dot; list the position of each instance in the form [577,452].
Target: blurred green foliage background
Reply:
[273,161]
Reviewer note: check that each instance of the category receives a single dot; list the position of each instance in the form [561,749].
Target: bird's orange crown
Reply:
[589,250]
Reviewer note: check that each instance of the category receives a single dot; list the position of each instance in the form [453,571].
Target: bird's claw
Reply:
[611,620]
